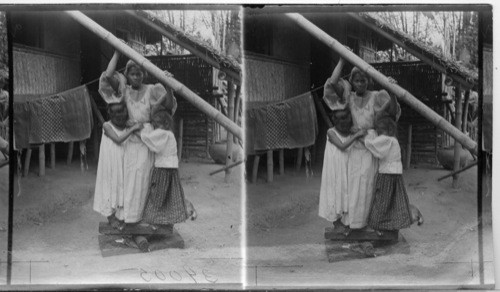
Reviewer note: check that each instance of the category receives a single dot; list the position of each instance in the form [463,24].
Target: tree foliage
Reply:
[219,29]
[453,33]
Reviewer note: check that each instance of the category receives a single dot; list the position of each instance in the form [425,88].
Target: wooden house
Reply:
[52,53]
[282,61]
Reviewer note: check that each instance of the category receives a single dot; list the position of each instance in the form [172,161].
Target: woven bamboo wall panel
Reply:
[36,73]
[268,80]
[423,82]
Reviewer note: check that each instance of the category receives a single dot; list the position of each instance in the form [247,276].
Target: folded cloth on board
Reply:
[290,124]
[63,117]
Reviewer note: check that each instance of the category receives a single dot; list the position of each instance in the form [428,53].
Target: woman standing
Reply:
[141,100]
[364,106]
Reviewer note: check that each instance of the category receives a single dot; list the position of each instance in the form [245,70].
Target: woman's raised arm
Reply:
[333,91]
[110,71]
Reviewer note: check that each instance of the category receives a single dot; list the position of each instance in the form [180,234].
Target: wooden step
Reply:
[113,245]
[337,234]
[132,229]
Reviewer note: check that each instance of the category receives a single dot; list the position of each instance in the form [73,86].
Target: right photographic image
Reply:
[368,136]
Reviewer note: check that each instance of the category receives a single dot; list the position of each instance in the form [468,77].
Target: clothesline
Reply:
[95,80]
[289,99]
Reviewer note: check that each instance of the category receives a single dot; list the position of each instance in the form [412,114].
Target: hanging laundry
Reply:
[62,117]
[290,124]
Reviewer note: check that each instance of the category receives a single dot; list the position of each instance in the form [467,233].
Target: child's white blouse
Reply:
[163,144]
[387,150]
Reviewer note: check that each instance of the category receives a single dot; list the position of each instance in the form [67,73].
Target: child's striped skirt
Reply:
[165,203]
[390,209]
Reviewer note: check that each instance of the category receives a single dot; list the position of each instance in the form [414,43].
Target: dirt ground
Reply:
[286,245]
[55,233]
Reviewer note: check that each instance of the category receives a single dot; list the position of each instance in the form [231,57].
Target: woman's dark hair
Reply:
[131,64]
[388,124]
[356,71]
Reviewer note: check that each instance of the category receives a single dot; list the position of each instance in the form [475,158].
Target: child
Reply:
[390,209]
[334,200]
[166,204]
[108,196]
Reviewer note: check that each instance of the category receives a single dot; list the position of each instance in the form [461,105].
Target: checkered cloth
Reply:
[288,124]
[46,120]
[63,117]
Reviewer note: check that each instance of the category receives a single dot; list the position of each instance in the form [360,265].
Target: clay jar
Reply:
[446,157]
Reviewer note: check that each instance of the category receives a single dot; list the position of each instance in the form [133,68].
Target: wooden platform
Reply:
[136,229]
[113,245]
[338,251]
[343,251]
[337,234]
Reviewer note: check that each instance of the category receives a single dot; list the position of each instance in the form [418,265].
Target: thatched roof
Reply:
[226,63]
[451,66]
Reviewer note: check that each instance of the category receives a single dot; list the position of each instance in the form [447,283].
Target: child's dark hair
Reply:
[334,117]
[110,108]
[388,125]
[164,118]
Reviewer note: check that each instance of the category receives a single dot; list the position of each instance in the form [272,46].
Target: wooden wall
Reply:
[38,73]
[271,80]
[424,83]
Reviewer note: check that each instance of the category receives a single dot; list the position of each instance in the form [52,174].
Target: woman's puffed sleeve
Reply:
[163,99]
[107,91]
[383,106]
[330,96]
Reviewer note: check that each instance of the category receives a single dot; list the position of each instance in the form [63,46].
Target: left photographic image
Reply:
[127,136]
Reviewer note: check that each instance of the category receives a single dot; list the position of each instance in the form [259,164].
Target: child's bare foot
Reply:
[379,233]
[142,243]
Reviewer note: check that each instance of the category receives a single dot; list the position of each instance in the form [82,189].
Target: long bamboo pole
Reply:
[458,124]
[229,140]
[380,78]
[171,36]
[171,82]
